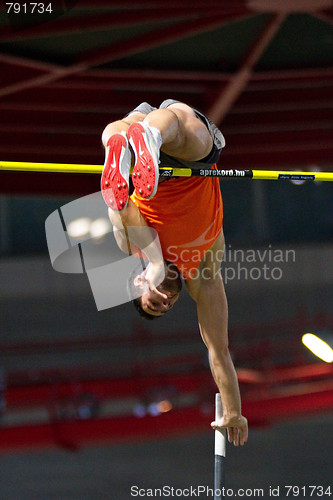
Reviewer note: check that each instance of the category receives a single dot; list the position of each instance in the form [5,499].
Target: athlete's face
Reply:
[152,303]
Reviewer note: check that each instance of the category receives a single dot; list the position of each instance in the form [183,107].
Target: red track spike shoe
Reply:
[115,175]
[147,151]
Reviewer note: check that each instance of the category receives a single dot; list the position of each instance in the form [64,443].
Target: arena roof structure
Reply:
[262,70]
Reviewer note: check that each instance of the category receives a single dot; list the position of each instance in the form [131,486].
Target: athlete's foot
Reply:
[146,148]
[115,175]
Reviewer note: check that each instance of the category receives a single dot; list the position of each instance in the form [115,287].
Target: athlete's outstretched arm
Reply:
[131,228]
[207,290]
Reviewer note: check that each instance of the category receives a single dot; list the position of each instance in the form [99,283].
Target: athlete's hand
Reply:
[237,428]
[151,277]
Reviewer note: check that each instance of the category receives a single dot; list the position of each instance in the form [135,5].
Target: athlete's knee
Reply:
[121,125]
[194,139]
[182,107]
[168,123]
[111,129]
[136,116]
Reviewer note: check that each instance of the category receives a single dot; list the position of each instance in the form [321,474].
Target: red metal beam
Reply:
[292,74]
[50,141]
[84,95]
[279,119]
[124,49]
[71,121]
[298,156]
[239,81]
[50,107]
[286,97]
[64,119]
[286,140]
[254,138]
[172,4]
[66,139]
[86,99]
[267,77]
[25,62]
[29,183]
[156,74]
[99,22]
[126,79]
[212,19]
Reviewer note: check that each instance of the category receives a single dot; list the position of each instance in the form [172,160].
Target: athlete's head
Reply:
[151,305]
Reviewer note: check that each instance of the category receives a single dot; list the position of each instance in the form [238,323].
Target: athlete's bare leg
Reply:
[183,134]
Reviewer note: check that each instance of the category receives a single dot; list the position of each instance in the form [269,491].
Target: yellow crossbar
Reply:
[278,175]
[68,168]
[170,172]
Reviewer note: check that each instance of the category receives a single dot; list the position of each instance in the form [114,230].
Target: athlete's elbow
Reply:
[219,354]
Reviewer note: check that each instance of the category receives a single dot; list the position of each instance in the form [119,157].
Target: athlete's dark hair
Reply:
[135,292]
[137,304]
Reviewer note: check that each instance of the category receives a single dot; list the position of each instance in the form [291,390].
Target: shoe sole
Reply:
[115,175]
[145,171]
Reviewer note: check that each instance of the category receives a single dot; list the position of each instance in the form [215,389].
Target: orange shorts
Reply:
[187,214]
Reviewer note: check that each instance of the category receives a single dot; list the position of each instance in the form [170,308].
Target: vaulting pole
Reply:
[219,453]
[172,172]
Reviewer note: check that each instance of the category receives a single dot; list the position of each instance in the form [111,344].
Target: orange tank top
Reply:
[187,214]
